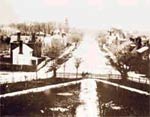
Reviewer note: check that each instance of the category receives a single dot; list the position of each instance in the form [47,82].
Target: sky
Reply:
[125,14]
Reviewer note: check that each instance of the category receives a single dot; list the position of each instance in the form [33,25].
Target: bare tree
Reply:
[53,51]
[77,65]
[34,27]
[76,38]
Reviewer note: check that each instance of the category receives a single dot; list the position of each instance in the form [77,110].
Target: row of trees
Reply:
[28,28]
[127,60]
[56,48]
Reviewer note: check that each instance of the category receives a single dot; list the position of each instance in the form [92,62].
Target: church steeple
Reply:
[66,25]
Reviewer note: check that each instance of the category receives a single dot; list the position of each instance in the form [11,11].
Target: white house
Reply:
[23,55]
[115,36]
[56,37]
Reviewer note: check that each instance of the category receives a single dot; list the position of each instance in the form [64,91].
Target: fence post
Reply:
[146,81]
[119,76]
[108,76]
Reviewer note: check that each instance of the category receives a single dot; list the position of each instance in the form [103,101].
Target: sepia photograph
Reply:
[74,58]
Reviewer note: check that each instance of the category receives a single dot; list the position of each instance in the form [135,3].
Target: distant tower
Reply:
[66,25]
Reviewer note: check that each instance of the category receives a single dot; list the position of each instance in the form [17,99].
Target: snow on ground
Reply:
[124,87]
[140,78]
[9,77]
[39,89]
[89,101]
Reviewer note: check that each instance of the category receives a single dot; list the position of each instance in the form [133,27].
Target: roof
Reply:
[34,58]
[59,37]
[40,33]
[25,48]
[23,38]
[143,49]
[47,39]
[124,45]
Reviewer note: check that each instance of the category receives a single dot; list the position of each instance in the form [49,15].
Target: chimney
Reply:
[20,47]
[33,37]
[18,36]
[13,46]
[11,51]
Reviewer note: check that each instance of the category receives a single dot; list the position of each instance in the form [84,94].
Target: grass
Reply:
[140,86]
[12,87]
[132,104]
[40,104]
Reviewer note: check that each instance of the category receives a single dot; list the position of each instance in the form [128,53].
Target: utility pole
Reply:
[64,69]
[36,73]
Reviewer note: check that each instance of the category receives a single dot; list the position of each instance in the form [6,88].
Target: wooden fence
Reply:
[103,76]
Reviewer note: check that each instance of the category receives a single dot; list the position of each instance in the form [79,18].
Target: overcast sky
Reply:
[126,14]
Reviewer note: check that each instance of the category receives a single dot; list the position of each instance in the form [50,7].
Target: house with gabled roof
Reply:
[23,55]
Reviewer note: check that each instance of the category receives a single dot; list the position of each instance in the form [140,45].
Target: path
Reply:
[89,101]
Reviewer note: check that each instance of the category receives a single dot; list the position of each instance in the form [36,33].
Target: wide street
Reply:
[93,59]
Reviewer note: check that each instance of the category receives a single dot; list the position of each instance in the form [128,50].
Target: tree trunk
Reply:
[64,69]
[54,73]
[124,75]
[77,73]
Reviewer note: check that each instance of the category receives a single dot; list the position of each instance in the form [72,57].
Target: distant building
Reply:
[143,52]
[23,55]
[115,36]
[57,36]
[36,44]
[66,26]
